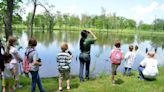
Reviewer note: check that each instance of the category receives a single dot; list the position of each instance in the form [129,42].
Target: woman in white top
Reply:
[11,49]
[148,68]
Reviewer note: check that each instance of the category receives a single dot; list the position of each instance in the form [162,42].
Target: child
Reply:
[116,57]
[64,59]
[129,59]
[8,74]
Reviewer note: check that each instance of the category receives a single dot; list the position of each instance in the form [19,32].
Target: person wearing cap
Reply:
[85,46]
[148,68]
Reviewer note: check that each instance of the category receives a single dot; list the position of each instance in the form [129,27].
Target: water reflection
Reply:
[49,46]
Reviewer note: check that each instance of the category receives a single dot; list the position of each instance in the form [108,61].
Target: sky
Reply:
[139,10]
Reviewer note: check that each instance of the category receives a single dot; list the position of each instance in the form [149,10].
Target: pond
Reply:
[49,45]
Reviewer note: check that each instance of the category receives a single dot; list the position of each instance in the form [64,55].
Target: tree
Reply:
[158,24]
[28,20]
[50,15]
[145,26]
[86,20]
[17,19]
[6,8]
[103,17]
[59,19]
[35,3]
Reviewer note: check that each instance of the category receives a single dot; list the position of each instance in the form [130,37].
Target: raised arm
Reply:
[93,35]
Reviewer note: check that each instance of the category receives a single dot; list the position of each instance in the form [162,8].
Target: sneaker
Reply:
[19,86]
[81,80]
[113,82]
[68,89]
[87,78]
[60,89]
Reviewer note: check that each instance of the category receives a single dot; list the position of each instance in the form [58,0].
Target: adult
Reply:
[34,65]
[11,48]
[148,68]
[85,47]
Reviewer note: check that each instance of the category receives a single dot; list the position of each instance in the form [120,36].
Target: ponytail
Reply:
[8,48]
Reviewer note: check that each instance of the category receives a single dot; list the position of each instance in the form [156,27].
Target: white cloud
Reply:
[161,7]
[72,9]
[147,13]
[145,10]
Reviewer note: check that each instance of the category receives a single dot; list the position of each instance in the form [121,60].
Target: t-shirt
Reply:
[151,67]
[129,59]
[87,44]
[33,56]
[13,51]
[8,70]
[64,59]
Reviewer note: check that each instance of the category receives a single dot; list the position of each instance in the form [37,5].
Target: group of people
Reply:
[148,67]
[9,67]
[10,60]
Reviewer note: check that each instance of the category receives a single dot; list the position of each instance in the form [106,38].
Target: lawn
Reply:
[102,83]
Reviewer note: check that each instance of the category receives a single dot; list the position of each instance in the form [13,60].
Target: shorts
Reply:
[7,81]
[64,74]
[16,66]
[114,69]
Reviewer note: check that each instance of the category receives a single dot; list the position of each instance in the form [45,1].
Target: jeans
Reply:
[83,63]
[128,70]
[0,84]
[140,69]
[36,80]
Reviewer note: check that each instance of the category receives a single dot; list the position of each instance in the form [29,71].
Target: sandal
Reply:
[68,89]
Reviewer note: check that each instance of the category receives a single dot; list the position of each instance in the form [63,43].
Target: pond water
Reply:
[49,45]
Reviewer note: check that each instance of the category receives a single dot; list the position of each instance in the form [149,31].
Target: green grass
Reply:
[102,83]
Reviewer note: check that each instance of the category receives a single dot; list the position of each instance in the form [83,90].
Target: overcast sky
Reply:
[145,10]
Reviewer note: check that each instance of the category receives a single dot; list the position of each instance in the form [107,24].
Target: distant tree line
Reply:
[9,15]
[110,21]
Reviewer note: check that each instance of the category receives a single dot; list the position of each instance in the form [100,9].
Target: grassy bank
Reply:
[102,83]
[75,28]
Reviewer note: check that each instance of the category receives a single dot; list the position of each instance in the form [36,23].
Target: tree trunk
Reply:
[32,19]
[51,24]
[8,18]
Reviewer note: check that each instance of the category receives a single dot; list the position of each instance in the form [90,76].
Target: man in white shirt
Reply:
[148,68]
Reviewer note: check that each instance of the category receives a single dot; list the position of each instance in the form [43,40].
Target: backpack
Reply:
[26,62]
[116,56]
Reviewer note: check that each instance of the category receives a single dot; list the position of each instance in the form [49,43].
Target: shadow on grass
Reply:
[119,81]
[150,80]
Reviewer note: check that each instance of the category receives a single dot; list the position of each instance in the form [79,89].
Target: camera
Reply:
[39,60]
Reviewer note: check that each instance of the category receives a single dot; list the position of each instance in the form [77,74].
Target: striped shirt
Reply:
[64,59]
